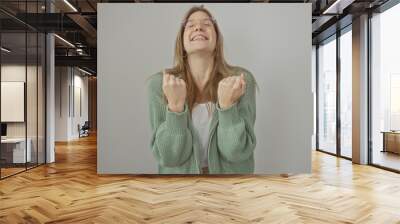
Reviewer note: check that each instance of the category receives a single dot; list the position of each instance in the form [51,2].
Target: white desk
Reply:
[18,150]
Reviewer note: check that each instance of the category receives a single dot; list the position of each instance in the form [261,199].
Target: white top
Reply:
[201,119]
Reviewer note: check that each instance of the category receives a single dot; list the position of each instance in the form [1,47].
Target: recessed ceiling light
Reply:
[70,5]
[5,50]
[330,7]
[64,40]
[337,7]
[84,71]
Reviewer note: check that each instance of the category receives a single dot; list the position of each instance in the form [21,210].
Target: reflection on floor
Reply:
[386,159]
[11,169]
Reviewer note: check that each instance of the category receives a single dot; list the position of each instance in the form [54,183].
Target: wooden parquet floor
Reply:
[70,191]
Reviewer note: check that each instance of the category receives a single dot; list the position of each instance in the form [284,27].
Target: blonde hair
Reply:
[220,70]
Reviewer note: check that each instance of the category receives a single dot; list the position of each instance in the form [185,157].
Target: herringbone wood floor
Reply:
[70,191]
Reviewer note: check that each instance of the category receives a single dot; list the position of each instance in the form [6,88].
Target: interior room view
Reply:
[51,128]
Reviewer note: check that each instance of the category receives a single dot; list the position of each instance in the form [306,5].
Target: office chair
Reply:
[84,130]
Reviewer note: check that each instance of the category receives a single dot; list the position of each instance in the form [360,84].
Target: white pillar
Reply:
[360,90]
[50,91]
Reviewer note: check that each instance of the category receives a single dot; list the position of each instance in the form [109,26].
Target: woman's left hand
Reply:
[230,89]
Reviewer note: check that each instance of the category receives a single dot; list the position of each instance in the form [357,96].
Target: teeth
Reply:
[199,37]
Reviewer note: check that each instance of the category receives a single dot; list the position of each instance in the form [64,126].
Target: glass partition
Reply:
[14,154]
[22,88]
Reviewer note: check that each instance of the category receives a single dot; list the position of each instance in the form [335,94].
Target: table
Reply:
[391,141]
[13,150]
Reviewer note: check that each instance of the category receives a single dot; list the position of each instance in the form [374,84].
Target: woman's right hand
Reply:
[174,89]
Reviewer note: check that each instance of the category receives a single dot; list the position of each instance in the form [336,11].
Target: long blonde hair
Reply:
[220,70]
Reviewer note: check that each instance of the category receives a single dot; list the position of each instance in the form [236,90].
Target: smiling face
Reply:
[199,33]
[200,36]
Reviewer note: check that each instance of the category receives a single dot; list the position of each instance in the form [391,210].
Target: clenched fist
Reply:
[230,89]
[174,89]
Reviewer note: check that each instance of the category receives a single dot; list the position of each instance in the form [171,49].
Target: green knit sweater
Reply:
[231,136]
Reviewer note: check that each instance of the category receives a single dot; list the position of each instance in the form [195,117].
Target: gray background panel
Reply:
[273,41]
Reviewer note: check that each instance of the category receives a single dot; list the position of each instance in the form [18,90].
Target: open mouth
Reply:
[200,37]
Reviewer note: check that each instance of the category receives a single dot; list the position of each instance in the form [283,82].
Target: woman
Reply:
[202,111]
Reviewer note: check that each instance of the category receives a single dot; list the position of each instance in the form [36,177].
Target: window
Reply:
[385,88]
[327,96]
[346,93]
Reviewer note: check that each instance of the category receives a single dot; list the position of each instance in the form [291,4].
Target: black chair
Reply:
[84,130]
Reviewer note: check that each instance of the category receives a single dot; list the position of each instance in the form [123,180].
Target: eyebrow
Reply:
[200,19]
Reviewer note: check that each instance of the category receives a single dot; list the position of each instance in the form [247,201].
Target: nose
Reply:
[198,26]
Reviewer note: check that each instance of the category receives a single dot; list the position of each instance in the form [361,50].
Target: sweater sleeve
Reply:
[171,140]
[235,131]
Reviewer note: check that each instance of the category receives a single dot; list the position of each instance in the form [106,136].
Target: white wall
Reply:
[273,41]
[69,79]
[80,83]
[12,101]
[61,103]
[12,73]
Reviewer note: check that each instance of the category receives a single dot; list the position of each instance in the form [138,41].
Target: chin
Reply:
[200,50]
